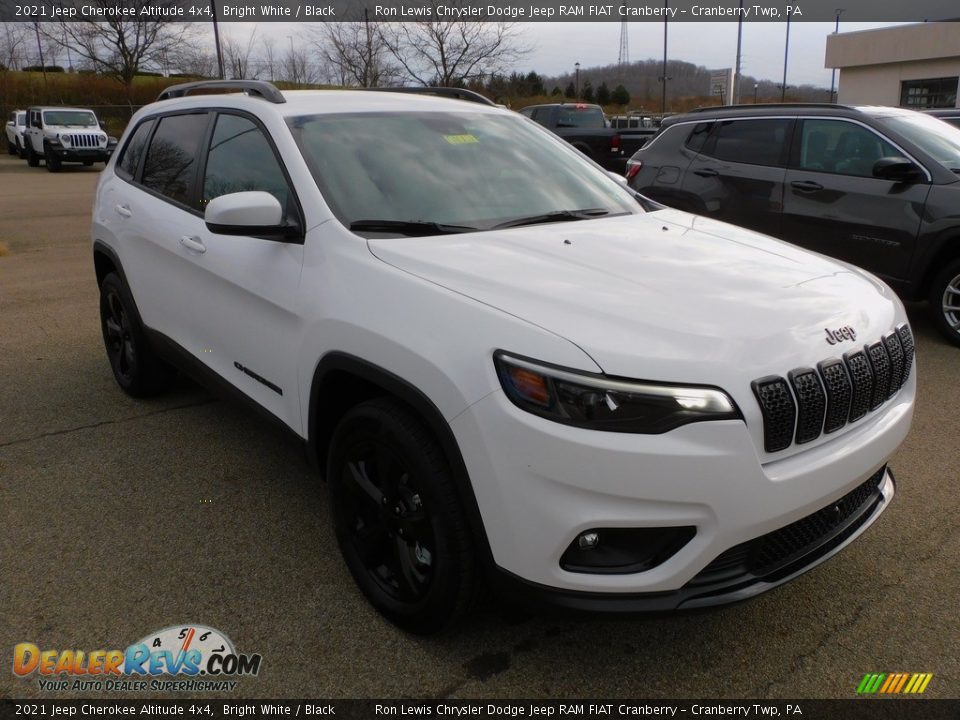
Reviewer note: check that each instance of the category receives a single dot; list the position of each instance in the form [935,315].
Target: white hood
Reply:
[665,296]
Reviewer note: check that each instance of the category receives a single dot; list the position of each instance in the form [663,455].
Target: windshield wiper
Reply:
[558,216]
[411,228]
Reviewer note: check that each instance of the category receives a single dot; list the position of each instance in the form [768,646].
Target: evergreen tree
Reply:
[571,91]
[587,93]
[556,91]
[603,94]
[620,96]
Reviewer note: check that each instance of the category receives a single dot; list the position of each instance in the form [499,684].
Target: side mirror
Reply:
[897,169]
[9,123]
[254,213]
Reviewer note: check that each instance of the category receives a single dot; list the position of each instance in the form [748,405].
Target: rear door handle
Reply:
[193,244]
[706,172]
[806,185]
[123,211]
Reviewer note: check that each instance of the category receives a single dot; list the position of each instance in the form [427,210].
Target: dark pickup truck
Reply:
[585,127]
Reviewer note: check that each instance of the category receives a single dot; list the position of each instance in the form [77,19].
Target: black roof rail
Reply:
[446,92]
[748,106]
[259,88]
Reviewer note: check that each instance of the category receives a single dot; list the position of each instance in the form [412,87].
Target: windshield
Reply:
[937,138]
[70,117]
[462,171]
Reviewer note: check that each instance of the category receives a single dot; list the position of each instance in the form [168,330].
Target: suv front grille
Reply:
[83,140]
[817,534]
[838,392]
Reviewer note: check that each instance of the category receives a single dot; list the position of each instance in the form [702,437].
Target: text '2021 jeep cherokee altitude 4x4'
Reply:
[510,367]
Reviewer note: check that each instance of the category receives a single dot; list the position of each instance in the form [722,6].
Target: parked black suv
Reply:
[878,187]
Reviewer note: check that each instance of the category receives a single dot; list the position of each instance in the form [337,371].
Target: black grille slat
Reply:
[895,351]
[837,384]
[778,409]
[811,404]
[880,364]
[906,341]
[772,552]
[861,380]
[84,141]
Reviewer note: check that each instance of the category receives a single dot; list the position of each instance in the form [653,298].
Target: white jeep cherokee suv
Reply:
[58,135]
[511,370]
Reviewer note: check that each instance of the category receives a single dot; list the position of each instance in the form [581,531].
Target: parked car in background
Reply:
[60,134]
[16,124]
[513,374]
[878,187]
[950,115]
[585,127]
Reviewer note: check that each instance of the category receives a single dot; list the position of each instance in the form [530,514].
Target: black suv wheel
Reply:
[33,160]
[397,517]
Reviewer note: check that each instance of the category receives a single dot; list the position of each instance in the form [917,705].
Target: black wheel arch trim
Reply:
[396,386]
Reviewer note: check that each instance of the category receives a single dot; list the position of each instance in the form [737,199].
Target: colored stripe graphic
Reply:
[894,683]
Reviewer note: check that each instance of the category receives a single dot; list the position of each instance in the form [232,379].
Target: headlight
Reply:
[599,402]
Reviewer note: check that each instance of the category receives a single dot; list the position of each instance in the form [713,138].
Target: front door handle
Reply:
[806,185]
[706,172]
[193,244]
[123,211]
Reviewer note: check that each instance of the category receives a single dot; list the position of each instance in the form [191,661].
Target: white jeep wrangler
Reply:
[58,135]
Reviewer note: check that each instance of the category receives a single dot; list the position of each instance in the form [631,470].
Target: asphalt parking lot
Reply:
[121,517]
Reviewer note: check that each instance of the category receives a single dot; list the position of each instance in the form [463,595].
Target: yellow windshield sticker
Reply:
[461,139]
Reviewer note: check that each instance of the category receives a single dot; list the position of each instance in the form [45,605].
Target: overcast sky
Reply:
[557,46]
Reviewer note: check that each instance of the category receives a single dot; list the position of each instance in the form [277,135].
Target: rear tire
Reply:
[11,148]
[21,150]
[136,367]
[398,519]
[945,302]
[33,160]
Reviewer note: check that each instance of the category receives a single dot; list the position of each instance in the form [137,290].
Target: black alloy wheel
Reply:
[398,520]
[136,368]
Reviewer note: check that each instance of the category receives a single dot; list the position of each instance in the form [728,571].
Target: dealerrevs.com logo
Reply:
[201,658]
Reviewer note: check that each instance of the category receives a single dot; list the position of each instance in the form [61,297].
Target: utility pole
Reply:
[43,65]
[367,71]
[786,55]
[735,91]
[663,78]
[833,72]
[216,37]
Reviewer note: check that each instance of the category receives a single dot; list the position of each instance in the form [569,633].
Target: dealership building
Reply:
[914,66]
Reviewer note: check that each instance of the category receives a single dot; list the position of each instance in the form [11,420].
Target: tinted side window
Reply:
[698,136]
[755,142]
[171,161]
[241,159]
[133,151]
[840,147]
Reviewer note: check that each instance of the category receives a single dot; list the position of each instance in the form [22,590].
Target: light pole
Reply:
[663,78]
[216,37]
[786,54]
[833,72]
[576,84]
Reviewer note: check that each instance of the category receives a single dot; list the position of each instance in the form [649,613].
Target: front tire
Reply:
[137,369]
[945,302]
[397,517]
[53,162]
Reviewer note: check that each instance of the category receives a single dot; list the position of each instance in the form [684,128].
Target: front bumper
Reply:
[729,578]
[540,484]
[68,154]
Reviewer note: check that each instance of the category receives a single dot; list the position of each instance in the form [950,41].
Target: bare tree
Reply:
[297,67]
[453,52]
[121,48]
[14,45]
[197,61]
[355,53]
[270,57]
[236,55]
